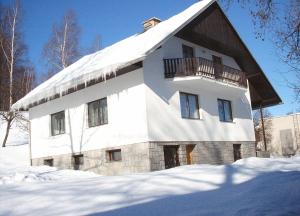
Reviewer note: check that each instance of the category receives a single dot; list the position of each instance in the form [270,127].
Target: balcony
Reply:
[181,67]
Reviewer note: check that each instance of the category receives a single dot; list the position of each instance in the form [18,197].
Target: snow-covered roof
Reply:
[108,60]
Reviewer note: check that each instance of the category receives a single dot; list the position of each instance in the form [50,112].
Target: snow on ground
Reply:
[252,186]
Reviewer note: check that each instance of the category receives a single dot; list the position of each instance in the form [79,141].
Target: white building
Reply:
[285,133]
[181,92]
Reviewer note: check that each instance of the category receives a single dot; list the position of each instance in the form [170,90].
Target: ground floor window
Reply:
[48,162]
[225,111]
[58,123]
[189,106]
[97,112]
[114,155]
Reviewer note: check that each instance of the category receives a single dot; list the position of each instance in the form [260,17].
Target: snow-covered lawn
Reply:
[250,186]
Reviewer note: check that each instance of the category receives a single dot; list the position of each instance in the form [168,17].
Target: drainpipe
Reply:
[263,127]
[30,153]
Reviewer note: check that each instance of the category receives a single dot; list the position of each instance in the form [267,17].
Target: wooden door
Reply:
[171,156]
[189,156]
[237,152]
[218,68]
[188,58]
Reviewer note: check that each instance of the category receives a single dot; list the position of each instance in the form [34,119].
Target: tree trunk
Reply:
[9,121]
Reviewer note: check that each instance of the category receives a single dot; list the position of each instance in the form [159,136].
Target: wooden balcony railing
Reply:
[179,67]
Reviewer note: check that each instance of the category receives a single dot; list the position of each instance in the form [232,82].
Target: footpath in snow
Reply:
[252,186]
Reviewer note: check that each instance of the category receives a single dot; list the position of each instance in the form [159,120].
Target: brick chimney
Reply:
[150,23]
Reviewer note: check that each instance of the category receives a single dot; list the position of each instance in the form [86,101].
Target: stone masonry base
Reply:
[149,156]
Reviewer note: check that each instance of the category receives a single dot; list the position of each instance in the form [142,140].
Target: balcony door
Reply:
[188,58]
[187,51]
[218,68]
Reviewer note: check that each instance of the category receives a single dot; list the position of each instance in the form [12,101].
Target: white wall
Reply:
[163,105]
[126,118]
[144,106]
[283,123]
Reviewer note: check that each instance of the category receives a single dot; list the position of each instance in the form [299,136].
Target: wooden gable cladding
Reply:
[212,29]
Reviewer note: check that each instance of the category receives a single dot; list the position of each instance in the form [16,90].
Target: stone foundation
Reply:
[203,152]
[149,156]
[135,158]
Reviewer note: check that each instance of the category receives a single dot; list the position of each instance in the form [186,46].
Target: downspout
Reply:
[263,127]
[30,153]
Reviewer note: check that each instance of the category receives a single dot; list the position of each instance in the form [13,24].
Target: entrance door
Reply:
[189,150]
[237,152]
[171,156]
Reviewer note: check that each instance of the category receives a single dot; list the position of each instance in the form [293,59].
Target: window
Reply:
[58,123]
[97,112]
[48,162]
[189,106]
[187,51]
[114,155]
[225,112]
[78,161]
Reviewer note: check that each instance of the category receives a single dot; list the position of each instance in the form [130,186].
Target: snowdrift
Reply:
[252,186]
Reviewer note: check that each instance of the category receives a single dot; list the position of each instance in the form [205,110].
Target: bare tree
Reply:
[280,21]
[62,48]
[259,129]
[16,77]
[96,44]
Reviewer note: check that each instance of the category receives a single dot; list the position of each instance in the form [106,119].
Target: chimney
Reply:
[150,23]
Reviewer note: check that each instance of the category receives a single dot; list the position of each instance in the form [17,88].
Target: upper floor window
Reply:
[97,112]
[58,123]
[187,51]
[225,111]
[189,106]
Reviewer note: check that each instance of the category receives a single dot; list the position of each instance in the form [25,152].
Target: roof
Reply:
[112,58]
[122,54]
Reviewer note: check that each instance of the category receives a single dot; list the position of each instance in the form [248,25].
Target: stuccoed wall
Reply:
[127,122]
[164,121]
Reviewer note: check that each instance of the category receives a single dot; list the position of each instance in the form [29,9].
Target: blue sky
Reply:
[115,20]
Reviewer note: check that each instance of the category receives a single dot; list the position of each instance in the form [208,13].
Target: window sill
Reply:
[230,122]
[57,136]
[96,126]
[201,119]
